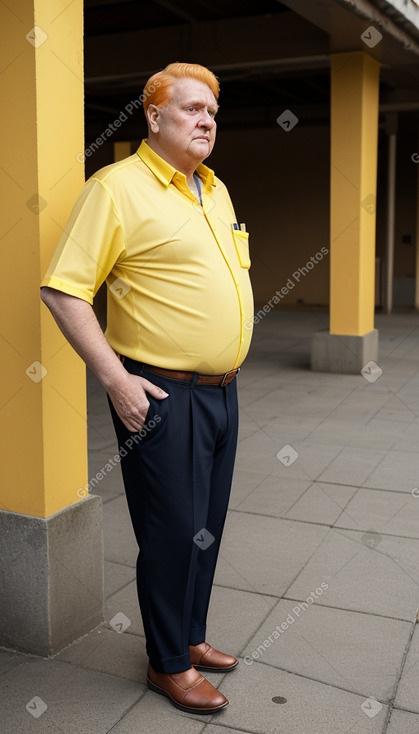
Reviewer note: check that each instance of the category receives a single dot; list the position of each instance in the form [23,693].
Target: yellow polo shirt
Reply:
[179,293]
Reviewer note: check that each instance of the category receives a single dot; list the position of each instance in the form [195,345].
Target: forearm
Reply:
[81,328]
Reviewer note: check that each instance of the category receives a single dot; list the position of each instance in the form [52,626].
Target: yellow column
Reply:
[121,149]
[354,135]
[43,414]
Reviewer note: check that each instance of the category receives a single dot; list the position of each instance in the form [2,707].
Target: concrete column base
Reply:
[51,577]
[345,354]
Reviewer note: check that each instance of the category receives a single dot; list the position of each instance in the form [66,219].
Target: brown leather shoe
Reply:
[205,657]
[188,691]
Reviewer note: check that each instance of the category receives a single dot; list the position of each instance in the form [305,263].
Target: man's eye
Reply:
[191,109]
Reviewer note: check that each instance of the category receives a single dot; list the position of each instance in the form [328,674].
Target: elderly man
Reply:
[160,228]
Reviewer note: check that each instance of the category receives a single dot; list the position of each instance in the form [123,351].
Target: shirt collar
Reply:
[165,172]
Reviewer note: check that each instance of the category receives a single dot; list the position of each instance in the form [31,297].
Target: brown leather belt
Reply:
[220,380]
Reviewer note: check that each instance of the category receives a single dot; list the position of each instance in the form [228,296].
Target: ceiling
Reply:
[267,57]
[114,16]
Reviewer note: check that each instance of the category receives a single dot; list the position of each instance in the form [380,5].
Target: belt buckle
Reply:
[226,374]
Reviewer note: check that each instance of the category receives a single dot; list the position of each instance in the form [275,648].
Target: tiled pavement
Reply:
[319,570]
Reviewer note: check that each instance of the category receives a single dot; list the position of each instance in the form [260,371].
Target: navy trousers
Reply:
[177,478]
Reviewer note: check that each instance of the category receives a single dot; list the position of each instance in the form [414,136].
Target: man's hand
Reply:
[80,326]
[129,399]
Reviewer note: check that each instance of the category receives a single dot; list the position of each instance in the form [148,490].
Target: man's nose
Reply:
[206,120]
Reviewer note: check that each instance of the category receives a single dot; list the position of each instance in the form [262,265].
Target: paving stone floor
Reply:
[317,586]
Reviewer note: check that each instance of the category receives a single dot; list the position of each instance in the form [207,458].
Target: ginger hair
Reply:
[157,90]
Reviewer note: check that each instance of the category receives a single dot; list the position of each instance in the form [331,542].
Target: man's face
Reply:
[185,126]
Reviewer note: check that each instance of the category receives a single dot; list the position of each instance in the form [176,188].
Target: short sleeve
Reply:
[92,242]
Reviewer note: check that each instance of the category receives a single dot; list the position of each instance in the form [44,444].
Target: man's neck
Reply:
[187,167]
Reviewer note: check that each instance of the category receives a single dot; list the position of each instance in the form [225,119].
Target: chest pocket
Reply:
[241,241]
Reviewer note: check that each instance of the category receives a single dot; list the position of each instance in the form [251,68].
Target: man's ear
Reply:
[153,117]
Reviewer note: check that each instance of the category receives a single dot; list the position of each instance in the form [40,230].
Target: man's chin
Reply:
[201,148]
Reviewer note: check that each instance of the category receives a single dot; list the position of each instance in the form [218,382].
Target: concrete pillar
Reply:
[415,159]
[51,557]
[391,129]
[352,341]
